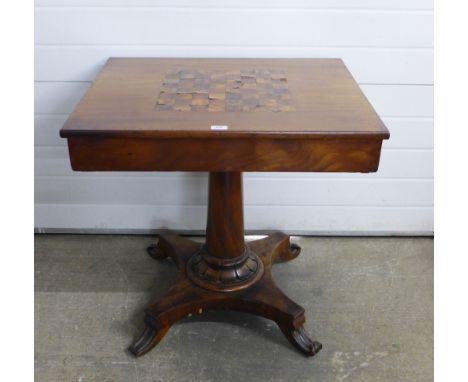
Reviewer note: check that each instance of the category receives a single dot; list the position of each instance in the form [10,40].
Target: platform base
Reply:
[262,298]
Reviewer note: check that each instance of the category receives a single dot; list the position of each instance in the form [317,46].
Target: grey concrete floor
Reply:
[368,300]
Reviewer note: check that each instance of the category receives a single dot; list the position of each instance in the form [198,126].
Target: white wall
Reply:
[386,44]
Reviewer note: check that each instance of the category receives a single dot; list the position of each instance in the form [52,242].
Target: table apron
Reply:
[97,153]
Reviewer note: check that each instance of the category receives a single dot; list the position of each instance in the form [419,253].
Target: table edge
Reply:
[178,134]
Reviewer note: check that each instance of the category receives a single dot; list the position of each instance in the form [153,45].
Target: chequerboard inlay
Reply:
[238,90]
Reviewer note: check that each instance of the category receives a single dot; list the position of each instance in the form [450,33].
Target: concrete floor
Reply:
[368,300]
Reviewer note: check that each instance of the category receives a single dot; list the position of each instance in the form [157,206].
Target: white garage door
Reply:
[386,44]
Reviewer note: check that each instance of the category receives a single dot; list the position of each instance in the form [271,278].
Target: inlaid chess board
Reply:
[236,90]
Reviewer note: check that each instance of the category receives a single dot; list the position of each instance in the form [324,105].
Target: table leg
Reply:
[225,273]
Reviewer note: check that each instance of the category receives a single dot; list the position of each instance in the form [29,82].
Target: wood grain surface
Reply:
[326,99]
[91,153]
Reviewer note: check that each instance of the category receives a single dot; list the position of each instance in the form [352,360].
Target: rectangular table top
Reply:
[154,114]
[225,98]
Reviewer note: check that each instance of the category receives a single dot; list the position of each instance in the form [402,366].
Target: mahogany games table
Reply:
[224,116]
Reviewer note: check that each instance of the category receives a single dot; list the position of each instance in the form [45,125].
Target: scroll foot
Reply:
[147,341]
[156,253]
[294,251]
[277,247]
[299,338]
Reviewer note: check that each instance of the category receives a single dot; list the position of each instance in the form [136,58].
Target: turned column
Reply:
[225,223]
[225,263]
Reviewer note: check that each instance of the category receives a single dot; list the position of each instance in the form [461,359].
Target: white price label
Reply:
[219,127]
